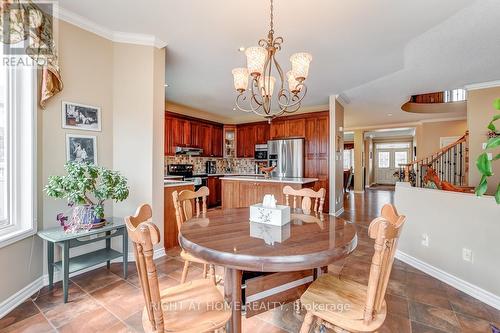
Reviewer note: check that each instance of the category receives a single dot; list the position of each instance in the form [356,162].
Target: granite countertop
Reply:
[172,177]
[272,180]
[228,174]
[175,183]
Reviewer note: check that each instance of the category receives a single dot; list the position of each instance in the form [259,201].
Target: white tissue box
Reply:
[272,216]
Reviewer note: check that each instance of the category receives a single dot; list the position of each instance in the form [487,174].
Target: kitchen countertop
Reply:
[227,174]
[272,180]
[172,177]
[175,183]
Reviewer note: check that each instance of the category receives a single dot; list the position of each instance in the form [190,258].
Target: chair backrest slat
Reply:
[183,203]
[386,230]
[306,194]
[144,236]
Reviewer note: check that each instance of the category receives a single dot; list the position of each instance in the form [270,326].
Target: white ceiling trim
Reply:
[483,85]
[115,36]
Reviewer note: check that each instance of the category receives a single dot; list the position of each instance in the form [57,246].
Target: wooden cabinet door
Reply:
[211,184]
[248,194]
[230,191]
[206,139]
[278,129]
[322,126]
[181,132]
[195,134]
[261,134]
[296,127]
[169,147]
[250,144]
[217,141]
[218,191]
[241,138]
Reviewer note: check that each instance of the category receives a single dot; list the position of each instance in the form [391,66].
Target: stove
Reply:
[186,171]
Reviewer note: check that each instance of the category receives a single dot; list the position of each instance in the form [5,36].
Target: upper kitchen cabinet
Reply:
[278,129]
[285,128]
[249,135]
[262,134]
[183,131]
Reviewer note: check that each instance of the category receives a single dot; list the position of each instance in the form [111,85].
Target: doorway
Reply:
[388,157]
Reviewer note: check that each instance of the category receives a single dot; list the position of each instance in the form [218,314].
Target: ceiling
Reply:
[375,53]
[383,133]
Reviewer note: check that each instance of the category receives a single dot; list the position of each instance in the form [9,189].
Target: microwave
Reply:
[260,152]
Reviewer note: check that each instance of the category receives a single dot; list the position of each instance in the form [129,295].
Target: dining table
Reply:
[227,238]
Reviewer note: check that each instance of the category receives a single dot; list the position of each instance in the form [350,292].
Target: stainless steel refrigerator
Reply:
[288,157]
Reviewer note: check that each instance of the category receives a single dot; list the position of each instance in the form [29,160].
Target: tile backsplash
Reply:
[224,165]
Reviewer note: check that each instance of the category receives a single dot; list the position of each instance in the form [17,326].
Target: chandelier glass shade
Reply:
[263,86]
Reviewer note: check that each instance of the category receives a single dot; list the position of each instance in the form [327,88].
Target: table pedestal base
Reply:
[232,294]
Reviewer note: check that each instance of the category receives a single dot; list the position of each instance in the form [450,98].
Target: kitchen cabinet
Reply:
[248,135]
[252,192]
[217,141]
[214,186]
[262,133]
[183,131]
[170,231]
[296,127]
[278,129]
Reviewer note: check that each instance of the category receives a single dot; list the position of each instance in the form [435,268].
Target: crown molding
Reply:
[342,99]
[115,36]
[483,85]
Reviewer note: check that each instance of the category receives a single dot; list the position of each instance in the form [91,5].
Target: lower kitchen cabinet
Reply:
[214,186]
[170,231]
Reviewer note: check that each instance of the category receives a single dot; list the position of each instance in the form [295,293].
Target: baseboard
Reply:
[339,212]
[15,300]
[464,286]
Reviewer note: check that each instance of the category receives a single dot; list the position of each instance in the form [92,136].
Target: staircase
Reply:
[451,164]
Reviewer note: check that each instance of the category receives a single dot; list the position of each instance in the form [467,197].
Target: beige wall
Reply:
[95,71]
[429,133]
[336,164]
[480,112]
[188,111]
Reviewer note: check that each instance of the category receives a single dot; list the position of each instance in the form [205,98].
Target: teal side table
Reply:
[114,227]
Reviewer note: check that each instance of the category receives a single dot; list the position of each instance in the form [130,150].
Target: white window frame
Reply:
[22,154]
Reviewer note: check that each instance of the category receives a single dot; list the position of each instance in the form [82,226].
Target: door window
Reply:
[383,159]
[400,157]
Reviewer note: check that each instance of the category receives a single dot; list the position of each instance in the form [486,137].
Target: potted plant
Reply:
[88,185]
[483,162]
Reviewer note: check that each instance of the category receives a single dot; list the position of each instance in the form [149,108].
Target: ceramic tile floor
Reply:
[102,301]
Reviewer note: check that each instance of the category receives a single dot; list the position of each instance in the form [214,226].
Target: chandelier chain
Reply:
[272,16]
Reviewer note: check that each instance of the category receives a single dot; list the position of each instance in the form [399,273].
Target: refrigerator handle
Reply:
[284,158]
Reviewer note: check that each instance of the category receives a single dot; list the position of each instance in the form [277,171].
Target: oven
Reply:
[260,152]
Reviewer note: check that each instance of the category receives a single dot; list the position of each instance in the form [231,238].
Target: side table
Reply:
[114,227]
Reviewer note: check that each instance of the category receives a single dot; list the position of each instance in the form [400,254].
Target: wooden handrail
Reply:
[439,152]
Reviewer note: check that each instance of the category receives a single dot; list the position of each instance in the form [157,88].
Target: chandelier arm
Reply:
[266,100]
[253,84]
[303,92]
[280,72]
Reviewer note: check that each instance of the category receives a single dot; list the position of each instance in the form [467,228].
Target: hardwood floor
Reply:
[101,301]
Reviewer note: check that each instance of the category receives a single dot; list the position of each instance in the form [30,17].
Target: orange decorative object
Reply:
[431,176]
[267,170]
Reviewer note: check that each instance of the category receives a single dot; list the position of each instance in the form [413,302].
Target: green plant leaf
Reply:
[497,194]
[496,157]
[496,104]
[484,165]
[482,187]
[493,143]
[491,125]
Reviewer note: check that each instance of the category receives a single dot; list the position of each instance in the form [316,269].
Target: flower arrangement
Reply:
[89,185]
[483,162]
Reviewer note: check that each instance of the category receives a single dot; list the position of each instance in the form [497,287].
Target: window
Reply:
[383,159]
[348,159]
[455,95]
[393,145]
[17,148]
[400,157]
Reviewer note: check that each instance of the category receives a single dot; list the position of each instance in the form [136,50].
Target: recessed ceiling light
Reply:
[166,85]
[389,114]
[234,109]
[241,49]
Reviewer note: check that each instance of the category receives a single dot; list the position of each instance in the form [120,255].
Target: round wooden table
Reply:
[225,237]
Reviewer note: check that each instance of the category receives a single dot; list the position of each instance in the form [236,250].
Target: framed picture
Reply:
[81,117]
[81,148]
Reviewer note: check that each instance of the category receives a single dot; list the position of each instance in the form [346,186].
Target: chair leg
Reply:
[211,272]
[306,325]
[204,271]
[319,324]
[185,271]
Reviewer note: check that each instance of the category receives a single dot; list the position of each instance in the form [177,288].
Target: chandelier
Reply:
[261,66]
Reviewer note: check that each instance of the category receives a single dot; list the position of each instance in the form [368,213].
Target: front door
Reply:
[388,157]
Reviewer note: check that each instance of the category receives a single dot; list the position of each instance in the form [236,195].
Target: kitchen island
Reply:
[243,191]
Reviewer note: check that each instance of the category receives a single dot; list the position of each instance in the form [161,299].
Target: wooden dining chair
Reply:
[306,195]
[193,307]
[344,305]
[183,203]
